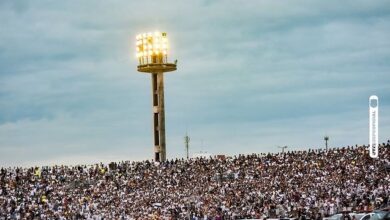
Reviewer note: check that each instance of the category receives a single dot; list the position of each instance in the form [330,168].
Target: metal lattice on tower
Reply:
[187,142]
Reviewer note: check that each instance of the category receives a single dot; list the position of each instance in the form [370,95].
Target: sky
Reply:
[252,76]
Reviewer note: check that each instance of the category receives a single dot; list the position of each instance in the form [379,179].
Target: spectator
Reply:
[301,184]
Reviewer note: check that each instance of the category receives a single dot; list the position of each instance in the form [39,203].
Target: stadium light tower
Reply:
[152,55]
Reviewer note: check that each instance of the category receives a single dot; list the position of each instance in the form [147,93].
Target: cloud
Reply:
[252,75]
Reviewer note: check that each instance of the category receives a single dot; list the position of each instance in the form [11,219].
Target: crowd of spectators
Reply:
[299,184]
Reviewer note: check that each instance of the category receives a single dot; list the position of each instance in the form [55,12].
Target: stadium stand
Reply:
[308,184]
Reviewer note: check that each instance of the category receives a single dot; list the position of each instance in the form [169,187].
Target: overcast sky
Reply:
[252,75]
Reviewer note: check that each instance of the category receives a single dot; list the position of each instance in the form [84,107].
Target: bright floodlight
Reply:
[152,55]
[152,48]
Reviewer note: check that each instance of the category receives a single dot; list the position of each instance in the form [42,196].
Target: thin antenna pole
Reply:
[326,139]
[187,142]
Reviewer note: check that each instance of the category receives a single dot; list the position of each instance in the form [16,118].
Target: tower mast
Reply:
[187,142]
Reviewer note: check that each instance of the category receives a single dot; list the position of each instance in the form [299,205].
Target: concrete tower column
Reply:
[158,116]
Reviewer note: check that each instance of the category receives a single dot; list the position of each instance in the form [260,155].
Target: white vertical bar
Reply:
[373,115]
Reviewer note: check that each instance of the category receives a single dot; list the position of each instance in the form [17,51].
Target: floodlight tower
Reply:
[152,55]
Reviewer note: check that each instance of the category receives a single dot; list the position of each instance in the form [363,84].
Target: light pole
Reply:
[326,139]
[284,147]
[152,55]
